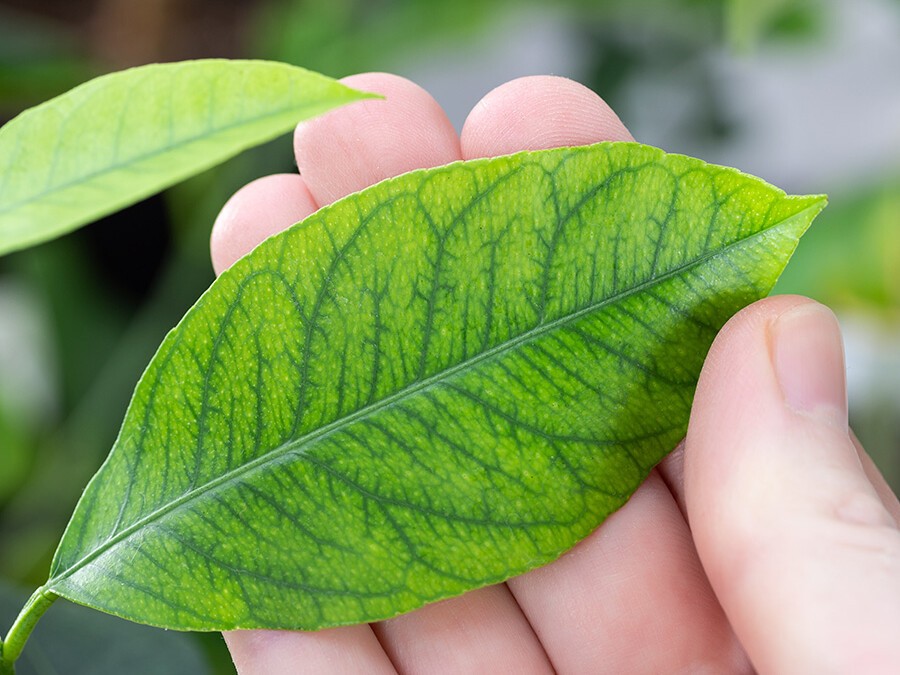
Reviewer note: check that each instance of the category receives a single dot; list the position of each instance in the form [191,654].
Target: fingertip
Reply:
[537,113]
[258,210]
[744,326]
[353,147]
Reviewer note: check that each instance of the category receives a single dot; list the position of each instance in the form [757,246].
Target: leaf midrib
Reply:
[409,390]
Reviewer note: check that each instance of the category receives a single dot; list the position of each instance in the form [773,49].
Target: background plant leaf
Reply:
[122,137]
[432,385]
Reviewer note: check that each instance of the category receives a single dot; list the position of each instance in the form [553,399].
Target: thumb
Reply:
[800,544]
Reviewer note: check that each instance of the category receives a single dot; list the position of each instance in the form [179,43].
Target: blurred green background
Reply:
[805,93]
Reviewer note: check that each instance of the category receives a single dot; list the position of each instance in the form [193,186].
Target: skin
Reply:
[767,541]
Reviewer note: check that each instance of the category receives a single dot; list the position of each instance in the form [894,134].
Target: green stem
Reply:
[11,647]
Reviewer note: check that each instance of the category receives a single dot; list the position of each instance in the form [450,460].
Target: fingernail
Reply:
[809,362]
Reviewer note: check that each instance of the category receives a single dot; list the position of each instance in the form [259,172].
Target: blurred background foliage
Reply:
[805,93]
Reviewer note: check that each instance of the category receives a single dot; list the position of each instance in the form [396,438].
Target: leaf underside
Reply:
[432,385]
[122,137]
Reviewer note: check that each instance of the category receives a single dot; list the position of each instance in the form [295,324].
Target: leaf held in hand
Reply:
[122,137]
[434,384]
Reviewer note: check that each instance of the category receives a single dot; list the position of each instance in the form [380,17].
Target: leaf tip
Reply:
[812,205]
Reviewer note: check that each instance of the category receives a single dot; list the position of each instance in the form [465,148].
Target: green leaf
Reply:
[76,641]
[122,137]
[434,384]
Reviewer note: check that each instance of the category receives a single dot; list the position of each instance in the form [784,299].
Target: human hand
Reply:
[767,540]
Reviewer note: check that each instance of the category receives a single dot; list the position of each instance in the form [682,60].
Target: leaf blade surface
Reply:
[432,385]
[124,136]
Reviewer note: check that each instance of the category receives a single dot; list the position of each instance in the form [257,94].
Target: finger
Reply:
[536,113]
[353,147]
[797,543]
[257,211]
[345,151]
[479,632]
[349,649]
[632,597]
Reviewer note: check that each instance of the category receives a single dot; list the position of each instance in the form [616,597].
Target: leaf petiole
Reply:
[11,647]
